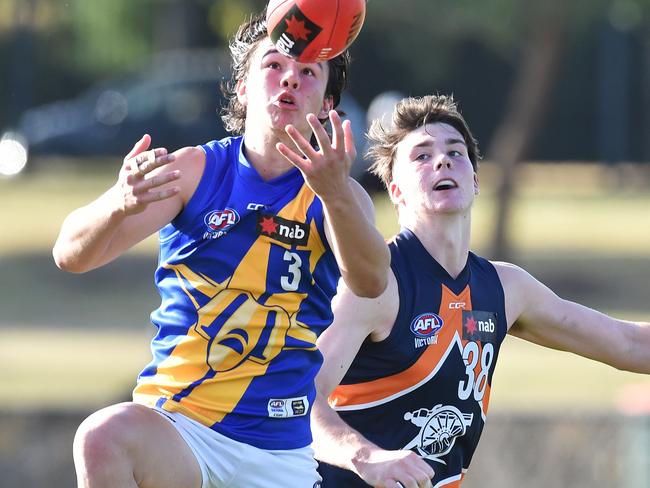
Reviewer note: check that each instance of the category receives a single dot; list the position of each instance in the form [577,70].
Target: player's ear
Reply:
[328,104]
[240,90]
[477,189]
[395,193]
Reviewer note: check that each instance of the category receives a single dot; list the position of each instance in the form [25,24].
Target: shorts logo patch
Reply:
[288,407]
[479,326]
[219,222]
[425,327]
[283,230]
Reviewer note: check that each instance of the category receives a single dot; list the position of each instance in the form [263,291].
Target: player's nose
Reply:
[290,78]
[442,161]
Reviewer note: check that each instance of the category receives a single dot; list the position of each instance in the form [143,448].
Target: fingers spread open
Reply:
[300,141]
[321,134]
[291,156]
[147,161]
[350,148]
[139,146]
[337,130]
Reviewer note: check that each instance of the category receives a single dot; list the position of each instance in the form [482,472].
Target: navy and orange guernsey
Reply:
[426,387]
[246,279]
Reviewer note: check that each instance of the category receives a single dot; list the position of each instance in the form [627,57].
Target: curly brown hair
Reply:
[242,46]
[411,113]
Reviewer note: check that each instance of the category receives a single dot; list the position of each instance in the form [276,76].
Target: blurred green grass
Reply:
[80,340]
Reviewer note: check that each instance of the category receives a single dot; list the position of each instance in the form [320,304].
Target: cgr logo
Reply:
[426,324]
[454,305]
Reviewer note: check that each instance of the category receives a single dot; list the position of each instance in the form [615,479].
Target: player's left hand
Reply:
[327,169]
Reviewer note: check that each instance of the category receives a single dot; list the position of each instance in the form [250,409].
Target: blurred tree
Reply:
[225,16]
[525,109]
[110,33]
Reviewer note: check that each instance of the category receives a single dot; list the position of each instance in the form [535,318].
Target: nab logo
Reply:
[283,230]
[479,326]
[219,222]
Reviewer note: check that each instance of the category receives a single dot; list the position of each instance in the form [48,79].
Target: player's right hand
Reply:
[139,183]
[395,469]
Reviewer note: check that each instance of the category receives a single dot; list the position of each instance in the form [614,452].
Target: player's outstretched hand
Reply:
[138,181]
[396,469]
[327,169]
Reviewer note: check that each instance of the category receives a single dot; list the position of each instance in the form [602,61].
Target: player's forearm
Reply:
[86,235]
[637,356]
[360,250]
[335,442]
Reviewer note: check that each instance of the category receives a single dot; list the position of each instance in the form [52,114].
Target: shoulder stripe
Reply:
[382,390]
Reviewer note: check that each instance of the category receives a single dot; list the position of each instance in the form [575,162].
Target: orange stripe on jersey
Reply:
[453,483]
[382,389]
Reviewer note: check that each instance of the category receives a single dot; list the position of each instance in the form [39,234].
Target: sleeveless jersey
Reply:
[426,387]
[246,279]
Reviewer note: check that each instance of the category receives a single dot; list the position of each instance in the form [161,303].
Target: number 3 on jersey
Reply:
[291,280]
[475,383]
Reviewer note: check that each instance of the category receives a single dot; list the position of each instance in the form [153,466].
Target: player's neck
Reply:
[261,153]
[445,237]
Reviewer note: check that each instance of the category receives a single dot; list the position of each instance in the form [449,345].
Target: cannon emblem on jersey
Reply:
[439,429]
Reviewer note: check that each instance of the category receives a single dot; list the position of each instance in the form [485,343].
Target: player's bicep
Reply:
[355,319]
[546,319]
[190,162]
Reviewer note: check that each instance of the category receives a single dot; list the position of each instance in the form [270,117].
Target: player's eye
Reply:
[274,65]
[455,154]
[421,157]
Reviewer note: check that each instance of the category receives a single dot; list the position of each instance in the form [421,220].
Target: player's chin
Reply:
[449,207]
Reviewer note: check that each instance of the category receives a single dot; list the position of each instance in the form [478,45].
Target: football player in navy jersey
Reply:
[408,374]
[255,231]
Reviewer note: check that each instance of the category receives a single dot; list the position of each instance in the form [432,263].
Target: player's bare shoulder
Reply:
[518,287]
[190,161]
[509,274]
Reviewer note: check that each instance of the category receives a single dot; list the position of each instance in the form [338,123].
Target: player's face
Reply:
[279,90]
[432,172]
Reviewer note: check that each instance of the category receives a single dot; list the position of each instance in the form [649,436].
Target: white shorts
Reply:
[226,463]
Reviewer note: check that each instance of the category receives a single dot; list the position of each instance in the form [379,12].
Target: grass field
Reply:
[80,340]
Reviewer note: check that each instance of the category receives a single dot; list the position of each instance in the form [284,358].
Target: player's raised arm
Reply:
[335,442]
[538,315]
[360,250]
[149,192]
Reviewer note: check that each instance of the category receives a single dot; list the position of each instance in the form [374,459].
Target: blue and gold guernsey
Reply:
[246,279]
[426,387]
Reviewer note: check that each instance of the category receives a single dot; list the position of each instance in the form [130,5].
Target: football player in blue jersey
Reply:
[408,374]
[255,231]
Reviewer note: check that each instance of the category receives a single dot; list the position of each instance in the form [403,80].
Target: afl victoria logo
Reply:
[221,219]
[426,324]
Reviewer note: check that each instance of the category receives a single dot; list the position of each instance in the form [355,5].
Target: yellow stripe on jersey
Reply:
[220,355]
